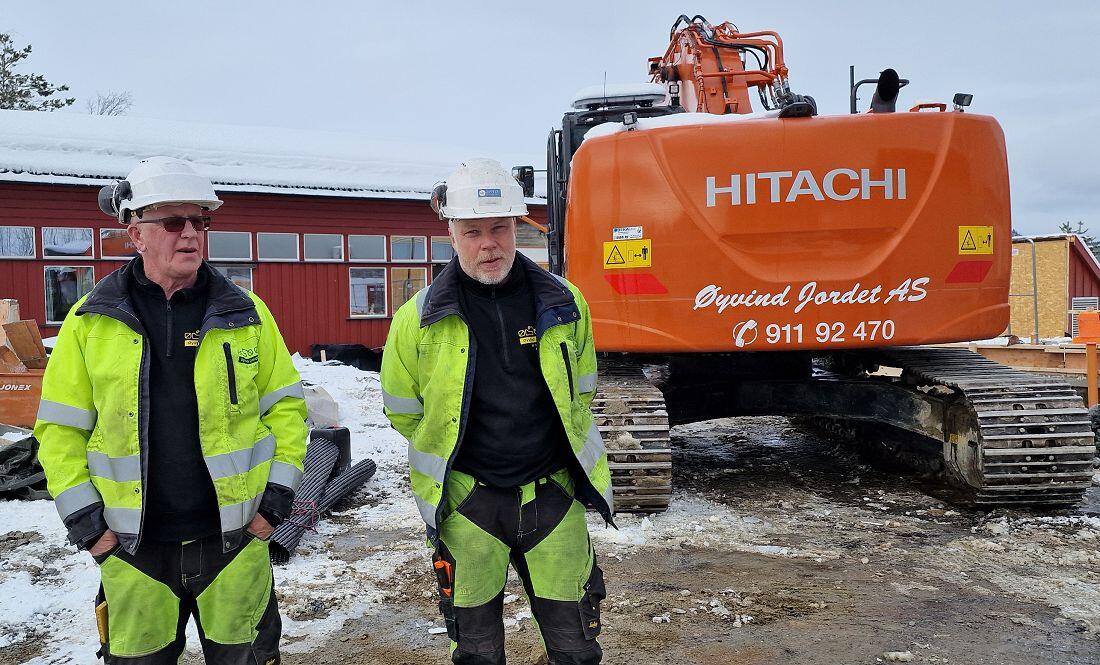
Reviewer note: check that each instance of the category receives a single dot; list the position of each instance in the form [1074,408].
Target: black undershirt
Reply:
[180,503]
[513,433]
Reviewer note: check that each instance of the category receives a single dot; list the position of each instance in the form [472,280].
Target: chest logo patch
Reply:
[191,338]
[248,356]
[527,336]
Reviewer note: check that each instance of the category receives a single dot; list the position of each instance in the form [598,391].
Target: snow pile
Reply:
[71,148]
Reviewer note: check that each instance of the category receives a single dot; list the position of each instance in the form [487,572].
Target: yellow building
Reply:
[1062,275]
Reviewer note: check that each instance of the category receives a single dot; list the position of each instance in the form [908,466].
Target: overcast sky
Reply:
[496,76]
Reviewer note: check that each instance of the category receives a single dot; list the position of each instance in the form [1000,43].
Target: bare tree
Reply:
[112,103]
[25,92]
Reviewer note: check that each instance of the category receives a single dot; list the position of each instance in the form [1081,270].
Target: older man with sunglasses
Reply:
[172,434]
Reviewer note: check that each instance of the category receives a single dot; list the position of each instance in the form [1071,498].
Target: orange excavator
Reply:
[743,255]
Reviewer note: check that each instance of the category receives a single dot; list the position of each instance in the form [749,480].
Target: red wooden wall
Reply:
[310,300]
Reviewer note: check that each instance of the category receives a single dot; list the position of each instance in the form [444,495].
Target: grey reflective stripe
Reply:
[404,405]
[427,510]
[63,414]
[285,474]
[586,383]
[269,400]
[561,279]
[123,520]
[609,497]
[75,498]
[240,461]
[592,451]
[421,302]
[238,515]
[428,464]
[118,469]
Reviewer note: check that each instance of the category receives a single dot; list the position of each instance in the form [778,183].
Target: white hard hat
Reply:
[157,181]
[477,189]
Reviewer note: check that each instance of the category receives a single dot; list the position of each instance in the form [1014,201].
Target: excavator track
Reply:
[1013,438]
[630,414]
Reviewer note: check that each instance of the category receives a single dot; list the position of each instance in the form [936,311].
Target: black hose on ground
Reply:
[326,479]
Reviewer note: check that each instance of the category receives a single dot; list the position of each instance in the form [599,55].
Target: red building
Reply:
[332,231]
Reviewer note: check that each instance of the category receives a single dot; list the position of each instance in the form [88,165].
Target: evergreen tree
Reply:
[26,92]
[1083,231]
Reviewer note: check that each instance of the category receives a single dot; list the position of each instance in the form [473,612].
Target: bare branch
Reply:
[112,103]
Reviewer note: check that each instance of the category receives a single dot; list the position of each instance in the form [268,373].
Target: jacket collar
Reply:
[226,303]
[554,302]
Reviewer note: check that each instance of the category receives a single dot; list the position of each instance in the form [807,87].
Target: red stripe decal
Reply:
[969,272]
[634,284]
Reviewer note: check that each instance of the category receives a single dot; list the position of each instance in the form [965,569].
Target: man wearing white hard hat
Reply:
[172,432]
[489,372]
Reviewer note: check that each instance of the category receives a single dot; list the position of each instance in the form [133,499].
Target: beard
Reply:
[487,277]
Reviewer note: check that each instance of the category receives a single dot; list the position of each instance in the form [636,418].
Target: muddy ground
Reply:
[783,547]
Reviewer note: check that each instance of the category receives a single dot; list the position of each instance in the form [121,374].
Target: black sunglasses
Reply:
[175,224]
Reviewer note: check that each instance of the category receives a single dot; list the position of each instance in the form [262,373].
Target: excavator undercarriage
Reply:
[999,436]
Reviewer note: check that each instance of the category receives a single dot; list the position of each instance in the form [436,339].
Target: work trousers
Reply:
[146,598]
[540,528]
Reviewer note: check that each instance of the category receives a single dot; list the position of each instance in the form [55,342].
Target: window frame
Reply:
[251,272]
[227,258]
[385,293]
[297,247]
[65,257]
[427,276]
[34,243]
[449,244]
[413,260]
[45,298]
[343,248]
[111,257]
[385,247]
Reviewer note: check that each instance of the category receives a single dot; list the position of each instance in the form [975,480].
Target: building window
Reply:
[277,246]
[324,247]
[66,242]
[404,283]
[239,275]
[17,242]
[408,248]
[442,251]
[229,245]
[367,248]
[64,286]
[368,291]
[116,244]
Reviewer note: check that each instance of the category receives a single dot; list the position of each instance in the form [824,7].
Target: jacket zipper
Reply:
[230,373]
[464,411]
[568,369]
[503,334]
[168,321]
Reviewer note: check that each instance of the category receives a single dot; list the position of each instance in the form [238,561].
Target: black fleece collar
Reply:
[111,297]
[550,292]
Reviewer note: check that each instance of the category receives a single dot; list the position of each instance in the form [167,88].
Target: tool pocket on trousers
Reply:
[101,622]
[594,592]
[443,563]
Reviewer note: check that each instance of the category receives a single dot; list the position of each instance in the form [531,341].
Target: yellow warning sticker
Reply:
[628,254]
[975,240]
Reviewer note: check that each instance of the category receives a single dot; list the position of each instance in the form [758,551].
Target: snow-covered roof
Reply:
[677,120]
[72,148]
[619,92]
